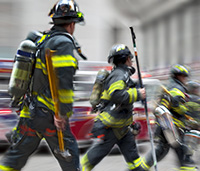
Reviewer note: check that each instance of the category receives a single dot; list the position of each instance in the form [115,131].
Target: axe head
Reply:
[66,155]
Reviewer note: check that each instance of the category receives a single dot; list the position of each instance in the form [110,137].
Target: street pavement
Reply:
[44,161]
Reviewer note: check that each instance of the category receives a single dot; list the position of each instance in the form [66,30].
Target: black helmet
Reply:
[179,70]
[118,54]
[66,11]
[193,86]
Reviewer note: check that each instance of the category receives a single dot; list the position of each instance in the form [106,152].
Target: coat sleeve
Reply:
[65,65]
[119,92]
[176,102]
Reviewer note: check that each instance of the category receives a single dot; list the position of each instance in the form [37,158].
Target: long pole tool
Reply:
[144,101]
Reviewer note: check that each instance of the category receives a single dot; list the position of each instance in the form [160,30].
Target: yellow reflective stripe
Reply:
[181,68]
[132,93]
[50,104]
[25,113]
[192,106]
[121,47]
[165,103]
[40,65]
[176,92]
[187,168]
[113,122]
[64,61]
[105,95]
[14,129]
[86,166]
[42,38]
[181,109]
[136,163]
[69,113]
[144,165]
[66,96]
[178,123]
[7,168]
[47,102]
[118,85]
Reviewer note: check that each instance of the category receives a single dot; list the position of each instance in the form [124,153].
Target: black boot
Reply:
[188,159]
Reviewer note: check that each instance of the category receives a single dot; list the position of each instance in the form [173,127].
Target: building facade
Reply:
[167,32]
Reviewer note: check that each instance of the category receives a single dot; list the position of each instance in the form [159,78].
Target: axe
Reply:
[53,87]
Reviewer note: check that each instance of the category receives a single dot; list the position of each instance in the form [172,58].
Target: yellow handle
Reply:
[165,90]
[53,87]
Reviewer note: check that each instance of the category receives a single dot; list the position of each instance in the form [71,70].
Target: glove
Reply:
[136,128]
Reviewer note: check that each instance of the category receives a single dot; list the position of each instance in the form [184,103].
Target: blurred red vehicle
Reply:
[81,123]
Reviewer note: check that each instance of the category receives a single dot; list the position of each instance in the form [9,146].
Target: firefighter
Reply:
[194,87]
[172,104]
[192,135]
[111,126]
[193,101]
[42,122]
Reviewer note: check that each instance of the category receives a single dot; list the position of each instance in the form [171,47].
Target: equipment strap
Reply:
[75,43]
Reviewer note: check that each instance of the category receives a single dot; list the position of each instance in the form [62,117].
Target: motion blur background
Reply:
[167,31]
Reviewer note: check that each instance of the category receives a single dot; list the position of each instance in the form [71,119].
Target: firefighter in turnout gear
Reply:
[192,135]
[42,123]
[193,100]
[172,105]
[111,126]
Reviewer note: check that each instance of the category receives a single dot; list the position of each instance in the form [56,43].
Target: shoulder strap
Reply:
[75,43]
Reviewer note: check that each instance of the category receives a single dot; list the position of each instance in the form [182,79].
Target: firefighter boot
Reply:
[188,159]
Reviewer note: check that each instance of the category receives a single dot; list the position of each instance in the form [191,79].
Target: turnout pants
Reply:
[102,148]
[28,136]
[162,150]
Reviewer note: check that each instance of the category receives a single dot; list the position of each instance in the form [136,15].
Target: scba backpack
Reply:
[24,64]
[97,90]
[23,68]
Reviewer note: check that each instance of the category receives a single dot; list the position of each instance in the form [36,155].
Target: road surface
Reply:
[44,161]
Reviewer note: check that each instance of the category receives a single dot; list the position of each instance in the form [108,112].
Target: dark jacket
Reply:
[193,107]
[176,103]
[118,98]
[65,65]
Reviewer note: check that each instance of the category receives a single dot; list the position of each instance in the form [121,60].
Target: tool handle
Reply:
[144,101]
[136,57]
[52,79]
[54,93]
